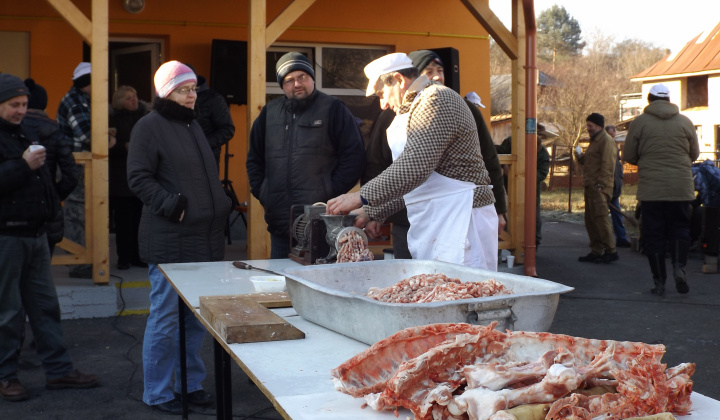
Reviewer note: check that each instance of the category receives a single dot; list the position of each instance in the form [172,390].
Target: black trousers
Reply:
[126,213]
[663,222]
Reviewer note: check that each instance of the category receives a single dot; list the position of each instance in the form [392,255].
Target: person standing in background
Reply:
[125,207]
[663,144]
[170,169]
[60,161]
[621,239]
[73,117]
[598,177]
[213,115]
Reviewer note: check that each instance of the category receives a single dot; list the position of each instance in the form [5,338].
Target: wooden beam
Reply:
[286,18]
[504,38]
[74,17]
[96,221]
[517,171]
[258,243]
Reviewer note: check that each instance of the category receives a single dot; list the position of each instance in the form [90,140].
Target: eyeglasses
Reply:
[291,82]
[186,90]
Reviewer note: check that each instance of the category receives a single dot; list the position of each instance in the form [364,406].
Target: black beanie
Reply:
[291,62]
[597,119]
[38,95]
[422,58]
[11,86]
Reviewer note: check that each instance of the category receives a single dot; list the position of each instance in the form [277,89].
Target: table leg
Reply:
[183,359]
[223,384]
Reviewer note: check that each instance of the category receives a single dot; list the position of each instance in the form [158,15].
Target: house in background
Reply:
[693,77]
[501,103]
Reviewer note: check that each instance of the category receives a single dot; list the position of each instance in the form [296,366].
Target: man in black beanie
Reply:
[305,147]
[598,179]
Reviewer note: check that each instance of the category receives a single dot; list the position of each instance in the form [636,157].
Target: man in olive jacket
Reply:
[663,144]
[598,179]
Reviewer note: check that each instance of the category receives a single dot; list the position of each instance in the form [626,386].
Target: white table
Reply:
[295,374]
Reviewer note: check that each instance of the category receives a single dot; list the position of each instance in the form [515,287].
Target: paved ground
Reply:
[609,302]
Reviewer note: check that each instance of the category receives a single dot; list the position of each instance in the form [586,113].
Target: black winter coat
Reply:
[171,169]
[27,197]
[214,118]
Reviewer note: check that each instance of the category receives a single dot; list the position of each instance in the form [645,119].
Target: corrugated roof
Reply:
[700,55]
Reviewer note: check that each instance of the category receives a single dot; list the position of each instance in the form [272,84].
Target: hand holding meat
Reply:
[34,158]
[344,204]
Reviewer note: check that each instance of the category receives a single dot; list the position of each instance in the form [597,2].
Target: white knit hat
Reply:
[171,75]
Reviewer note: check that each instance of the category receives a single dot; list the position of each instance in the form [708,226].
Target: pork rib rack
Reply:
[462,371]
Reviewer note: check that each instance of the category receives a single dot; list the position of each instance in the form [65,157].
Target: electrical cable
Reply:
[126,354]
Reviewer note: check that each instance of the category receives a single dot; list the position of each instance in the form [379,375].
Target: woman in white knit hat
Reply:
[172,169]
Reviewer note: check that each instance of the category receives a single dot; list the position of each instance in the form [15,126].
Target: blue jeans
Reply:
[161,347]
[617,223]
[279,246]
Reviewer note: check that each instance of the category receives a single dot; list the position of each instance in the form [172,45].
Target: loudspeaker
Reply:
[228,70]
[451,63]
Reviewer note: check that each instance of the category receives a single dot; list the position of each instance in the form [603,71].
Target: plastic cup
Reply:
[34,147]
[510,261]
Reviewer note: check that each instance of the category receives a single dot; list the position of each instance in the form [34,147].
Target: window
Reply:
[696,92]
[338,72]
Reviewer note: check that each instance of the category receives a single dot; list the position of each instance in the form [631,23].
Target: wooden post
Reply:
[517,171]
[258,244]
[96,222]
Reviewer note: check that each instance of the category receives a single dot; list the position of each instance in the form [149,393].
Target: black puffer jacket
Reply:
[27,197]
[172,170]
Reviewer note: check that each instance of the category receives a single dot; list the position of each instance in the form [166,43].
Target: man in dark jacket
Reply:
[621,239]
[59,154]
[28,201]
[663,144]
[305,147]
[214,117]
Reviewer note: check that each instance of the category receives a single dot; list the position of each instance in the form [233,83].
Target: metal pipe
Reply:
[530,136]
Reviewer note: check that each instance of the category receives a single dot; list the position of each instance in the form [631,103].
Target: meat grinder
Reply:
[338,226]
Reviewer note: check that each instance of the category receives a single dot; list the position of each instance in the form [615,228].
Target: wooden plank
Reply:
[504,38]
[286,18]
[243,319]
[74,17]
[97,218]
[268,300]
[517,170]
[258,241]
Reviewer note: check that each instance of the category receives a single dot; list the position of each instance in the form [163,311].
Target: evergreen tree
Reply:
[558,35]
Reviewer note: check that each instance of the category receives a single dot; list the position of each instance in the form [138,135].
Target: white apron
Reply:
[441,199]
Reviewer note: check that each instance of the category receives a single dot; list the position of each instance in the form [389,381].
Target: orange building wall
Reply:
[188,27]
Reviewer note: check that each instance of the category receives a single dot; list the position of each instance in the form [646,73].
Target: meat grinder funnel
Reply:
[335,223]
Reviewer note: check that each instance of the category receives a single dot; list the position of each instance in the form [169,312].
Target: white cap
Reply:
[81,70]
[660,90]
[474,98]
[383,65]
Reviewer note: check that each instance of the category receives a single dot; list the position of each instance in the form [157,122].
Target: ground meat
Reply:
[353,249]
[436,288]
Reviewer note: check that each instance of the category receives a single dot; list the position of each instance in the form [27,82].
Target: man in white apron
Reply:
[437,170]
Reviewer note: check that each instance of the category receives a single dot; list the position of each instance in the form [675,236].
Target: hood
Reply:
[662,109]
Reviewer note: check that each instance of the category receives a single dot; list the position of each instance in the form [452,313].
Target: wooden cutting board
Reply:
[247,319]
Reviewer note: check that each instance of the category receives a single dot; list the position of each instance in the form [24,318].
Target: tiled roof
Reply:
[700,55]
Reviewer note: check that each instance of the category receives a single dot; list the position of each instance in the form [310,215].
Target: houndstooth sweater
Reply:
[442,137]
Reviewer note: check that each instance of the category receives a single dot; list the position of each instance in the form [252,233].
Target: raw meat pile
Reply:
[353,249]
[463,371]
[436,288]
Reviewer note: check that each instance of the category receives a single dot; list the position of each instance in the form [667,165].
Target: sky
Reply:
[667,24]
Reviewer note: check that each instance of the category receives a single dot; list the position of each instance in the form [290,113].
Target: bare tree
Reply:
[499,61]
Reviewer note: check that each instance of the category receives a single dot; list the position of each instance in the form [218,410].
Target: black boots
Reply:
[657,266]
[679,255]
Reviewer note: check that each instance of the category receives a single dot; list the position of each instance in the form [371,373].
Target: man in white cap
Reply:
[437,173]
[663,144]
[73,117]
[28,203]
